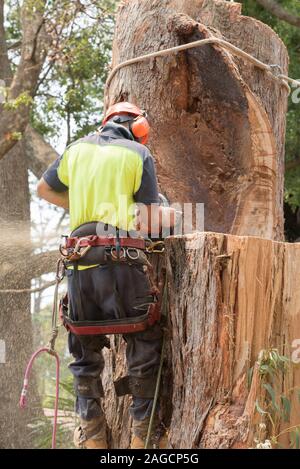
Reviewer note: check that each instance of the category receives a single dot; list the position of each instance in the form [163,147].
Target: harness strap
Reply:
[77,296]
[124,325]
[118,326]
[94,240]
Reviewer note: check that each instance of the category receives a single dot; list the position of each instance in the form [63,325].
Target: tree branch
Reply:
[39,153]
[5,69]
[292,164]
[36,265]
[15,45]
[14,120]
[29,290]
[277,10]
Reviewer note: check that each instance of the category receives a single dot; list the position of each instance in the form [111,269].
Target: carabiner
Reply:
[157,246]
[129,252]
[116,256]
[81,252]
[60,270]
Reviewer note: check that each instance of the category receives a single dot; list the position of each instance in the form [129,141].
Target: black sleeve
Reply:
[51,177]
[148,192]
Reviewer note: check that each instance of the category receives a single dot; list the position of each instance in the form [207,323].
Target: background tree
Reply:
[65,44]
[282,13]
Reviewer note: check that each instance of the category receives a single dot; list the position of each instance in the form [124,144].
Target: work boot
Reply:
[158,437]
[91,434]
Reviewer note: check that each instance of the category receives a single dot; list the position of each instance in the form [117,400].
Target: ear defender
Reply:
[140,129]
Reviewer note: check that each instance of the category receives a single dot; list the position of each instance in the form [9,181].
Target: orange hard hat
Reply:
[140,126]
[122,108]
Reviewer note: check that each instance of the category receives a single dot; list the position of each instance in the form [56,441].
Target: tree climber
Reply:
[100,178]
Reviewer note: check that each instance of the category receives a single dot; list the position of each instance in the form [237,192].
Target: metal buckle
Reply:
[158,246]
[63,250]
[63,247]
[60,270]
[133,257]
[116,256]
[81,252]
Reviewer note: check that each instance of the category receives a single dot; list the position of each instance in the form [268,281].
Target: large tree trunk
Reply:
[218,138]
[218,123]
[18,265]
[15,317]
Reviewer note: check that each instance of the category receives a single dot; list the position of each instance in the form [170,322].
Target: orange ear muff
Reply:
[140,128]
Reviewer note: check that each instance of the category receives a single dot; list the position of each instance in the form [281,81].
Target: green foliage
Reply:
[24,99]
[69,95]
[292,187]
[274,405]
[295,438]
[72,94]
[13,21]
[41,427]
[16,136]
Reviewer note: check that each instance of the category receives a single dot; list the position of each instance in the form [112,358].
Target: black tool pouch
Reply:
[88,387]
[136,386]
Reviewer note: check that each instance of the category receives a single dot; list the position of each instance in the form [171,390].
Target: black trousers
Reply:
[109,292]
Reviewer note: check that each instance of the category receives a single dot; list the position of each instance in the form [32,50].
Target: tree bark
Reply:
[14,116]
[18,264]
[218,131]
[229,298]
[242,303]
[218,123]
[36,264]
[15,318]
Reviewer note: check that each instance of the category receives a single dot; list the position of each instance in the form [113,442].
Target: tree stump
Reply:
[218,131]
[230,298]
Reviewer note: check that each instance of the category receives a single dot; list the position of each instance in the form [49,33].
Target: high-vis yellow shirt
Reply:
[106,173]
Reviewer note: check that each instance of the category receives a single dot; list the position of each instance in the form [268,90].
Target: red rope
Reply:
[23,399]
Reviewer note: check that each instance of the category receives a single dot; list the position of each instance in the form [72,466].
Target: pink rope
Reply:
[23,400]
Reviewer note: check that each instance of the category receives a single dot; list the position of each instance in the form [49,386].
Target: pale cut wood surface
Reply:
[229,309]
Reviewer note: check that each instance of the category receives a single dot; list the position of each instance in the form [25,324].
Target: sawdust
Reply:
[19,257]
[18,265]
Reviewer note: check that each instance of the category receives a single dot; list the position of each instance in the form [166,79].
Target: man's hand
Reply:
[152,219]
[44,191]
